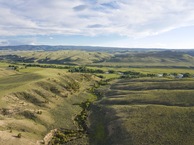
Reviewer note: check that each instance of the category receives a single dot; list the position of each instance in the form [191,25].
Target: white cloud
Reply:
[85,17]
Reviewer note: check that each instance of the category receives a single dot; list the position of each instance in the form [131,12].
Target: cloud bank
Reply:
[132,18]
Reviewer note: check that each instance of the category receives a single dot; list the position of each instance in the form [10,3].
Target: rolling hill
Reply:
[94,95]
[35,101]
[98,56]
[144,111]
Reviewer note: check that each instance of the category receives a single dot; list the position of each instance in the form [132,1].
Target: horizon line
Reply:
[97,46]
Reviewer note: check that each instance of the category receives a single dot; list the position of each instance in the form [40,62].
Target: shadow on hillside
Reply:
[106,127]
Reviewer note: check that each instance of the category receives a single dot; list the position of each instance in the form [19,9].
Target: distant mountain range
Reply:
[69,47]
[103,56]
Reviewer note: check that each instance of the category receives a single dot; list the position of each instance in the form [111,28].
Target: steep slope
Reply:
[36,100]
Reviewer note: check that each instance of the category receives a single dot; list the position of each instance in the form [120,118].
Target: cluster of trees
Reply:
[63,136]
[134,74]
[14,67]
[84,69]
[82,117]
[185,75]
[47,66]
[72,86]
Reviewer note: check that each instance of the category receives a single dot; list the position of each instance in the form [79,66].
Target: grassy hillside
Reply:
[34,101]
[145,111]
[55,57]
[128,58]
[151,58]
[4,71]
[40,98]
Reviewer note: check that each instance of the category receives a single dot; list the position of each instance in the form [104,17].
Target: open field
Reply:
[146,111]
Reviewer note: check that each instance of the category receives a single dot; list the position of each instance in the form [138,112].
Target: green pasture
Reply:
[150,111]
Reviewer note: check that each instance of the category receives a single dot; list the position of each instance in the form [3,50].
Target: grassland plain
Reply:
[34,101]
[149,112]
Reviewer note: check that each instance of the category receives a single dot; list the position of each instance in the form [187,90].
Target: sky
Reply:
[114,23]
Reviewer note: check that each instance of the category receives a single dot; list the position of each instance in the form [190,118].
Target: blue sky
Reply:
[121,23]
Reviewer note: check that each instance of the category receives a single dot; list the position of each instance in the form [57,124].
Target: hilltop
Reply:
[98,56]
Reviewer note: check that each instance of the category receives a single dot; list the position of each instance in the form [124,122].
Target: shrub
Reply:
[39,112]
[19,135]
